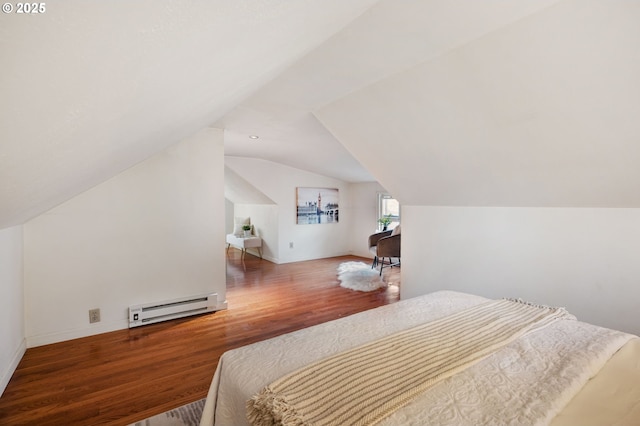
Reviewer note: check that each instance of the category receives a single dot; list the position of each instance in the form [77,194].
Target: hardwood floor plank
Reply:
[124,376]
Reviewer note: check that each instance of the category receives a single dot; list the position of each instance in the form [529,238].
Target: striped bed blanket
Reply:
[361,387]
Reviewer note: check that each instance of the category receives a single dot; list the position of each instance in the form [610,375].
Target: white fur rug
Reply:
[359,276]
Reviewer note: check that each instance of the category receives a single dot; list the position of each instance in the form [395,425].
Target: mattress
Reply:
[604,391]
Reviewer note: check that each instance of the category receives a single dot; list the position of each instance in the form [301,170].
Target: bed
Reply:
[567,373]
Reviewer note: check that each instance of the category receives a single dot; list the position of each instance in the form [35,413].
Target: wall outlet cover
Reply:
[94,315]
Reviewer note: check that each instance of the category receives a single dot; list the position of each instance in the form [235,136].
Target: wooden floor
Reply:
[125,376]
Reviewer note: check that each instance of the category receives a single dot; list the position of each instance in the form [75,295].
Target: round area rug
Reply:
[359,276]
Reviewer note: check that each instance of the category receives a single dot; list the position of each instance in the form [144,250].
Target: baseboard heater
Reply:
[149,313]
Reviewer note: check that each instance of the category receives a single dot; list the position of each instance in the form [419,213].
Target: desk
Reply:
[244,243]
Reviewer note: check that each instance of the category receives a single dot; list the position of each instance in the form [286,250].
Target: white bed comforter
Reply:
[528,382]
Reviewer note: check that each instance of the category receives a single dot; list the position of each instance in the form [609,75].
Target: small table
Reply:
[244,243]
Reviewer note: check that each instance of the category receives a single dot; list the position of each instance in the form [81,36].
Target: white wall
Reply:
[583,258]
[228,216]
[12,334]
[363,215]
[279,182]
[264,218]
[150,233]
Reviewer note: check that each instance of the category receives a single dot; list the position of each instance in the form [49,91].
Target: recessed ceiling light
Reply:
[253,136]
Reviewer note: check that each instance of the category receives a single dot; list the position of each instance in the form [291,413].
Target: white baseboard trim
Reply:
[45,339]
[8,373]
[270,259]
[366,254]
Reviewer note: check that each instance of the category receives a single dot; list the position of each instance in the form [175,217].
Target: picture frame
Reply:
[317,205]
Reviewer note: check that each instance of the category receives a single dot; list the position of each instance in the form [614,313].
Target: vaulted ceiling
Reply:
[90,88]
[453,102]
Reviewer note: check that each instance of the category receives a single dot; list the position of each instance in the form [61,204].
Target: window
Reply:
[388,206]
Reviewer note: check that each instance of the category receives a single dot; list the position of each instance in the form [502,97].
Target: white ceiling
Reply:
[239,191]
[90,88]
[540,113]
[495,102]
[388,38]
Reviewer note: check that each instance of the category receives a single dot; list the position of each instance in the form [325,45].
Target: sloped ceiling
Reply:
[239,191]
[543,112]
[457,102]
[90,88]
[390,37]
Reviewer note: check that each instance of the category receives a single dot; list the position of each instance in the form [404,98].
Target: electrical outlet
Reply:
[94,315]
[291,244]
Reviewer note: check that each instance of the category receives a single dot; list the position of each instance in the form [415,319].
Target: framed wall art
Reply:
[316,205]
